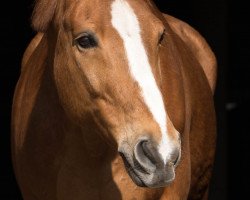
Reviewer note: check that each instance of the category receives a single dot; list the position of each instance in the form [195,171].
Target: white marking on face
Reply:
[125,21]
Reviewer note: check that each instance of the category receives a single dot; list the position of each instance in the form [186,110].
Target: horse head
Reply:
[108,59]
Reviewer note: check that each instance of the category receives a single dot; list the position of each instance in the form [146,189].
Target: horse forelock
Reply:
[43,13]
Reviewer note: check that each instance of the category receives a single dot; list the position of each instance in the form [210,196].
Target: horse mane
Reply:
[42,14]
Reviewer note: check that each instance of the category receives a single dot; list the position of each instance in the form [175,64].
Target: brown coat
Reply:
[63,147]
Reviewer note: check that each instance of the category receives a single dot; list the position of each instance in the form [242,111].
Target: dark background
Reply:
[222,23]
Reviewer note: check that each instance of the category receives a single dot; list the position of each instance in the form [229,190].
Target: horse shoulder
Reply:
[198,46]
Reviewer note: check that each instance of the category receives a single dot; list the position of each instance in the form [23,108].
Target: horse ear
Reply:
[42,14]
[198,46]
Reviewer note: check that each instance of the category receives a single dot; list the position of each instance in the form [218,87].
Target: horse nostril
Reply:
[148,151]
[144,156]
[176,157]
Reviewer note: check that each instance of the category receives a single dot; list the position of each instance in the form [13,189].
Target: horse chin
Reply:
[162,176]
[153,180]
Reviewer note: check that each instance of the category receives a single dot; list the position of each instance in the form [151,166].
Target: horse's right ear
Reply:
[42,14]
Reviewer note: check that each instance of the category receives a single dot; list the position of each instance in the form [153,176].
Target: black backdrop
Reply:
[220,22]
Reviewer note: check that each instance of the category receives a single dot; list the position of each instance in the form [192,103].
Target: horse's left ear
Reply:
[42,14]
[198,46]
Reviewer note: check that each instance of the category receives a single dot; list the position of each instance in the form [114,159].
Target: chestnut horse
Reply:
[114,101]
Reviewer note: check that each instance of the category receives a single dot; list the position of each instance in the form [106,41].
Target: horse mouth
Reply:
[143,176]
[131,171]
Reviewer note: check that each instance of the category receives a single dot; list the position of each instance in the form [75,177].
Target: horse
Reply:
[114,101]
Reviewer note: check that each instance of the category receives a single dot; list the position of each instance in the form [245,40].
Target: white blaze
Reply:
[125,21]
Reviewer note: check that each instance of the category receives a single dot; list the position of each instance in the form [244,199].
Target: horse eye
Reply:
[86,42]
[161,37]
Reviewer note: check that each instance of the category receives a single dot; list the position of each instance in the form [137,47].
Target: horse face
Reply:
[107,66]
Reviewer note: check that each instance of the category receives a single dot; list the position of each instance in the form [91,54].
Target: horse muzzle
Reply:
[145,165]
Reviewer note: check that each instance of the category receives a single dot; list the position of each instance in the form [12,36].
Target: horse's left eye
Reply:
[161,37]
[86,41]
